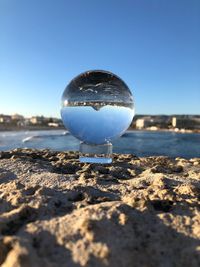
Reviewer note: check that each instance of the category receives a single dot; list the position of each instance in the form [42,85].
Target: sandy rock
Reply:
[137,212]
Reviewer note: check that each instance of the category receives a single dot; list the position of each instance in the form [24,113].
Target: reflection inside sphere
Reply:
[97,107]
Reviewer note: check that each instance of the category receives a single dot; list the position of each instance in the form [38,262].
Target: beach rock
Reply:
[135,212]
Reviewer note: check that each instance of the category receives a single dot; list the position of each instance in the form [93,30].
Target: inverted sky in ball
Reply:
[97,107]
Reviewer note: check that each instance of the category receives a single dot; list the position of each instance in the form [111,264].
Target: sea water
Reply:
[140,143]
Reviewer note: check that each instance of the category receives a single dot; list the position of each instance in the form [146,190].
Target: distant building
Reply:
[144,122]
[5,118]
[174,122]
[187,122]
[139,123]
[53,124]
[17,117]
[37,120]
[152,128]
[153,122]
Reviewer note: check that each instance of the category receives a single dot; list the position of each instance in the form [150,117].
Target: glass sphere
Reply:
[97,107]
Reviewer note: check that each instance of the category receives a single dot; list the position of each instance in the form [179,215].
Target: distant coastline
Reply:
[173,123]
[48,128]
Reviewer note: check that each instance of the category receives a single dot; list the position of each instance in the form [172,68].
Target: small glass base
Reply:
[95,153]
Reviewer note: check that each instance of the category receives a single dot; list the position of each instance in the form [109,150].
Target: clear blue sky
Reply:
[153,45]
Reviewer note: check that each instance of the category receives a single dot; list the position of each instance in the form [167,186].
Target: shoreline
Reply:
[18,129]
[37,128]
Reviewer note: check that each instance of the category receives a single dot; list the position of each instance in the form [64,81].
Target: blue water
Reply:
[140,143]
[97,126]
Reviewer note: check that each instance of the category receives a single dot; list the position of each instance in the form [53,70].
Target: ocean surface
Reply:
[140,143]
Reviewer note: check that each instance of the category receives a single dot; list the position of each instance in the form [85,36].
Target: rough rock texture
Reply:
[137,212]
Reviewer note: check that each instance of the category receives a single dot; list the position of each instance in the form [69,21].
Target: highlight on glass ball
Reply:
[97,107]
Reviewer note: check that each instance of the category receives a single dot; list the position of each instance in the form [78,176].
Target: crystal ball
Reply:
[97,107]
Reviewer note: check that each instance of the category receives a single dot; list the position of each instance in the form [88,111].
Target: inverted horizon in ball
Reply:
[97,107]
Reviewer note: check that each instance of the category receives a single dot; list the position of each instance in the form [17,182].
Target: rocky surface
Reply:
[137,212]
